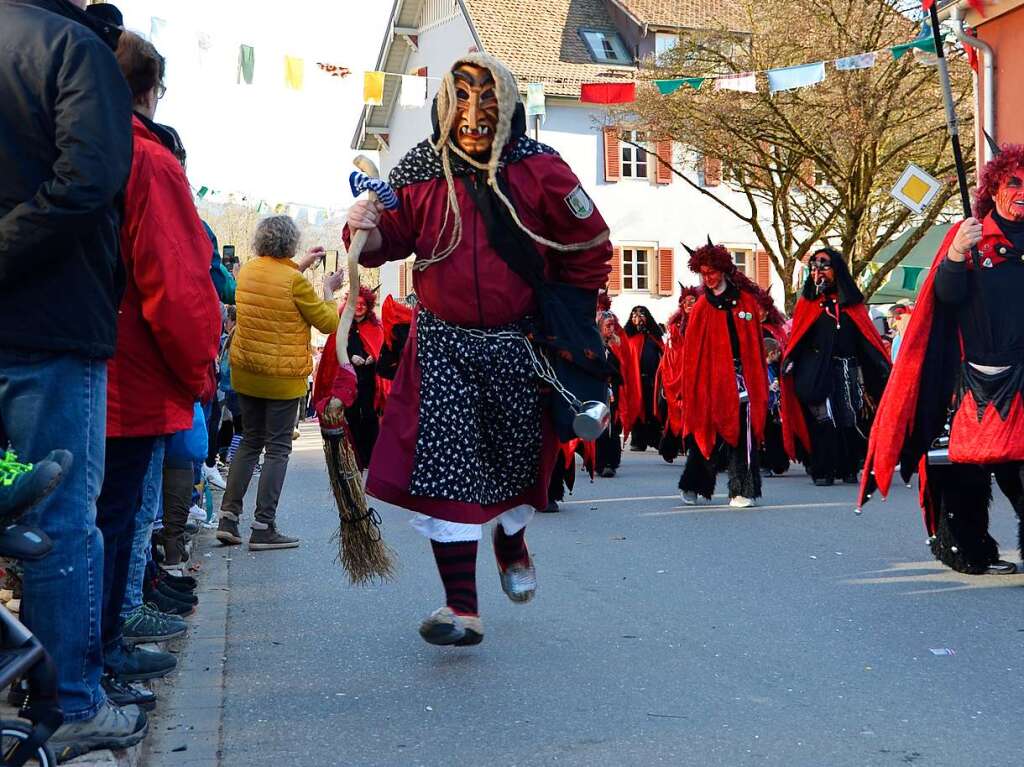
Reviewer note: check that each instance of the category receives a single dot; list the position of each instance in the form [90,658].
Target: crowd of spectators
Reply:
[126,341]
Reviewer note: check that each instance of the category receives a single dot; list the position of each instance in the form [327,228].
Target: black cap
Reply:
[108,13]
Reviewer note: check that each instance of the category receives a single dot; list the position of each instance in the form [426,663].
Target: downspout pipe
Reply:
[988,101]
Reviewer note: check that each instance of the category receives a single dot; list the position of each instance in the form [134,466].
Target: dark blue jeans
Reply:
[50,401]
[116,511]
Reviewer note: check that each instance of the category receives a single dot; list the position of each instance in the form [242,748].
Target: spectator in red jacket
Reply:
[167,335]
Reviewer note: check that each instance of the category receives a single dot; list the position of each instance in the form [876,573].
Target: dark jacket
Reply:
[65,154]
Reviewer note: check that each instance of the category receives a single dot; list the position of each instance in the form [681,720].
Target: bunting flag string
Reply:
[413,91]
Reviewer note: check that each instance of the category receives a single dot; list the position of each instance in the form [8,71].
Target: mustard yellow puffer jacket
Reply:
[270,353]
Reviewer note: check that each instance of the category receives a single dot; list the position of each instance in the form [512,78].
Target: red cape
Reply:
[630,395]
[794,425]
[711,404]
[371,333]
[393,313]
[891,440]
[631,375]
[670,380]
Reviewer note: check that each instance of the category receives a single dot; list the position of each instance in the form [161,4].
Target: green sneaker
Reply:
[23,485]
[147,624]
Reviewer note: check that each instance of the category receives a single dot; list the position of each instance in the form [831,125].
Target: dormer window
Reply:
[606,47]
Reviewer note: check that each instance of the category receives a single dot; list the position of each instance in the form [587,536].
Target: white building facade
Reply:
[651,212]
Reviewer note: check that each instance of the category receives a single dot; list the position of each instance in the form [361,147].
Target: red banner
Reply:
[608,93]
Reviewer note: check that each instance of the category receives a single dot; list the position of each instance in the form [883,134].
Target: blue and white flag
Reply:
[360,183]
[790,78]
[860,61]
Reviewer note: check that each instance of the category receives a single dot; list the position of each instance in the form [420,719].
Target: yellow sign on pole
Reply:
[916,189]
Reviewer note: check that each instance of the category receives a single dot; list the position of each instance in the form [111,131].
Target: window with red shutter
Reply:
[764,269]
[666,271]
[615,278]
[403,283]
[612,155]
[663,173]
[712,171]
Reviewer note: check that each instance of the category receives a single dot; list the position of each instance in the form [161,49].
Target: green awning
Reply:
[907,278]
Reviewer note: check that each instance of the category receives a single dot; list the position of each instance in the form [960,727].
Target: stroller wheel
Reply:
[12,735]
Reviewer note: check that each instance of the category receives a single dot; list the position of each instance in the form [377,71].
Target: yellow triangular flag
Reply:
[294,72]
[373,88]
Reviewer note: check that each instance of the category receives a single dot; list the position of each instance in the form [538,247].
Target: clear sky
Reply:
[263,139]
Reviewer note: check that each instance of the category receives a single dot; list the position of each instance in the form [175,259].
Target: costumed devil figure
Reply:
[365,342]
[725,385]
[834,372]
[465,438]
[670,375]
[958,380]
[643,335]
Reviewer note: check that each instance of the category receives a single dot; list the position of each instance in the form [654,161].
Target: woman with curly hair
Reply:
[270,364]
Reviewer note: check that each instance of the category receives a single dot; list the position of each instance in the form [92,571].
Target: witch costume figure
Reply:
[465,438]
[953,409]
[725,386]
[670,376]
[834,372]
[643,335]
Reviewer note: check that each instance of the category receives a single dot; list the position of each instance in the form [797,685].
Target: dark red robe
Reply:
[795,434]
[711,403]
[474,287]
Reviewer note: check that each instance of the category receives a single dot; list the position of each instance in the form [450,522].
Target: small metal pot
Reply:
[592,420]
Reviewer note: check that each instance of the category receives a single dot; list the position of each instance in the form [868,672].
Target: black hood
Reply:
[848,292]
[107,32]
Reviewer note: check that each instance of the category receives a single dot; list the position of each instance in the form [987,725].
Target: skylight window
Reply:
[606,47]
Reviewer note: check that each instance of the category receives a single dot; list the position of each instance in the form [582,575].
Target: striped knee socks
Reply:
[456,562]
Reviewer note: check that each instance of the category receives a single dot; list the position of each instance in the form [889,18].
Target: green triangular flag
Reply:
[668,87]
[910,277]
[922,44]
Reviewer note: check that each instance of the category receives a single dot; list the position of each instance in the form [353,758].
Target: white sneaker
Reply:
[197,513]
[214,478]
[739,502]
[689,499]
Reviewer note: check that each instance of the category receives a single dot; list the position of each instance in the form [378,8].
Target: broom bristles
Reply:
[363,553]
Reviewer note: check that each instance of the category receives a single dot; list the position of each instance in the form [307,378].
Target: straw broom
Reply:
[361,549]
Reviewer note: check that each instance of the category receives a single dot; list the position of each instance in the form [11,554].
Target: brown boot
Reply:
[177,501]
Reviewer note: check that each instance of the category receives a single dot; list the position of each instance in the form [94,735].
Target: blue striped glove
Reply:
[360,183]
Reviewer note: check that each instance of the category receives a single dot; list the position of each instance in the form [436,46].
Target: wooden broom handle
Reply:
[367,166]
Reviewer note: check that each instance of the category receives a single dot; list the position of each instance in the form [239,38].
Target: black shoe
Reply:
[851,479]
[133,664]
[227,532]
[824,482]
[551,508]
[124,694]
[168,604]
[176,586]
[608,472]
[637,449]
[182,596]
[179,582]
[270,538]
[1000,567]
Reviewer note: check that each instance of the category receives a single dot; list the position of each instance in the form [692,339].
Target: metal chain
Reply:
[542,367]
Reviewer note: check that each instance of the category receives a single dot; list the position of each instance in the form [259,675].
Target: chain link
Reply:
[542,366]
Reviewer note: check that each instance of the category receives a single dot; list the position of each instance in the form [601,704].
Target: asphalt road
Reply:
[793,634]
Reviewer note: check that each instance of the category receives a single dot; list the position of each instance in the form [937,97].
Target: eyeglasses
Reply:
[161,91]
